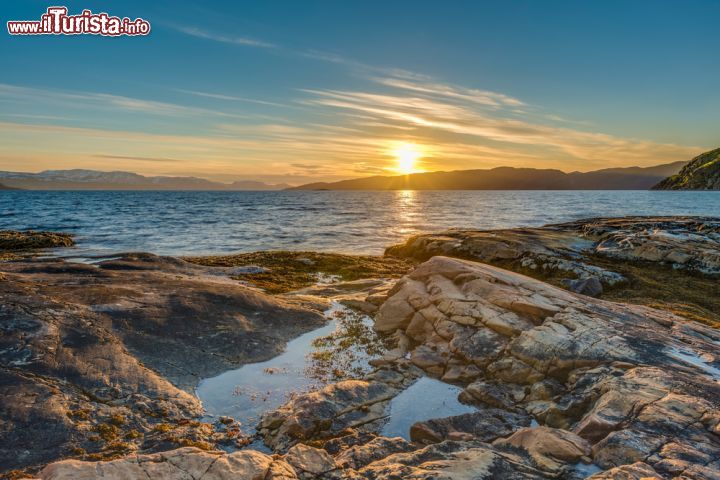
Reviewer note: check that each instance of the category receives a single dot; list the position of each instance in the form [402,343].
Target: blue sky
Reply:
[299,90]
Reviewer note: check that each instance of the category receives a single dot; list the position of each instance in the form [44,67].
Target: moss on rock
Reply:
[284,271]
[702,173]
[13,242]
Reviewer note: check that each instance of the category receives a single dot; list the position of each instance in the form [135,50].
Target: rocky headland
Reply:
[565,370]
[702,173]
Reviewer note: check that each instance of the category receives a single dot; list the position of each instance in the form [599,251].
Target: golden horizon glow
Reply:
[407,155]
[417,126]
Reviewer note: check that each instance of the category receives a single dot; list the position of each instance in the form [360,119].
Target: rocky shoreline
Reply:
[98,360]
[670,263]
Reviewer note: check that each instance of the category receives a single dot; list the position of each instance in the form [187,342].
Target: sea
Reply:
[356,222]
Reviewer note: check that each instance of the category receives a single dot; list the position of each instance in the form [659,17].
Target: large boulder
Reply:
[363,454]
[550,448]
[484,425]
[310,462]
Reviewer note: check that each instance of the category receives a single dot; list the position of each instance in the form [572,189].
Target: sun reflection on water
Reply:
[407,212]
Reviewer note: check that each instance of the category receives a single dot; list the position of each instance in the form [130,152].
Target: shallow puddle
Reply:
[584,470]
[690,357]
[336,351]
[423,400]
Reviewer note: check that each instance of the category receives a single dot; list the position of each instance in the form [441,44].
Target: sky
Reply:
[299,91]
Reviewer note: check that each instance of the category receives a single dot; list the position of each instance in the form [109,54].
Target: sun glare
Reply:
[407,155]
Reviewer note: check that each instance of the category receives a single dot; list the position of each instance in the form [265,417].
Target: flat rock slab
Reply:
[185,463]
[99,350]
[691,243]
[663,262]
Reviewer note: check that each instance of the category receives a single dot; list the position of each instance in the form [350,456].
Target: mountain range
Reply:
[500,178]
[79,179]
[510,178]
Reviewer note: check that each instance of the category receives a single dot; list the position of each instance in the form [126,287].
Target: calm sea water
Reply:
[352,222]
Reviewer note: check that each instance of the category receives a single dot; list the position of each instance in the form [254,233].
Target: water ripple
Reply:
[350,222]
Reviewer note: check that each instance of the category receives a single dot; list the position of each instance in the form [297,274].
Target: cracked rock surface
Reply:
[691,243]
[622,390]
[103,358]
[560,385]
[184,463]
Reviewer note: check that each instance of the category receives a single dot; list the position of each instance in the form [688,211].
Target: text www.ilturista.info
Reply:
[57,22]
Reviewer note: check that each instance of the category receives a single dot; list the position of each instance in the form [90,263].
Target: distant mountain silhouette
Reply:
[510,178]
[79,179]
[702,173]
[253,185]
[501,178]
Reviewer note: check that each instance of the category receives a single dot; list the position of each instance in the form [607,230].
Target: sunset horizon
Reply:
[360,240]
[247,100]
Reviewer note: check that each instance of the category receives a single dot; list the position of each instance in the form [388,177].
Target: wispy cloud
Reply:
[446,116]
[362,168]
[231,39]
[136,104]
[336,58]
[139,159]
[231,98]
[234,149]
[313,54]
[482,97]
[36,117]
[75,99]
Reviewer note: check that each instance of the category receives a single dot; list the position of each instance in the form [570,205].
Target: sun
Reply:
[407,155]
